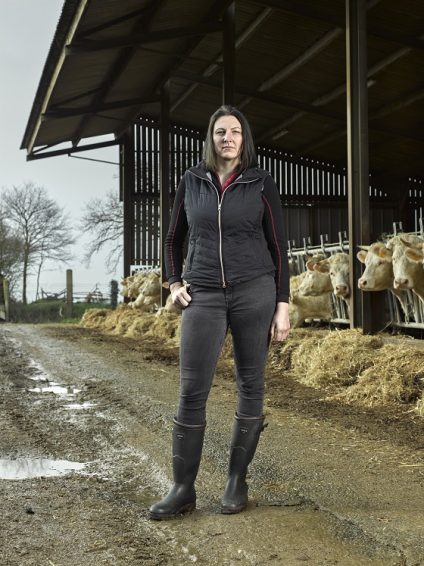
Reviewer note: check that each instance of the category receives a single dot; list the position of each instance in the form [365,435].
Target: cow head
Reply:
[337,266]
[378,273]
[315,282]
[406,272]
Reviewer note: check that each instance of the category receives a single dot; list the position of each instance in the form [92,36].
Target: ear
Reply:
[322,266]
[414,254]
[361,255]
[310,265]
[384,253]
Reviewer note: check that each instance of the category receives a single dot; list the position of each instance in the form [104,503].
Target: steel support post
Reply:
[229,55]
[128,192]
[165,129]
[357,155]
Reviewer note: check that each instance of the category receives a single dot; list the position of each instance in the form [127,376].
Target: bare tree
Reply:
[10,252]
[42,226]
[104,220]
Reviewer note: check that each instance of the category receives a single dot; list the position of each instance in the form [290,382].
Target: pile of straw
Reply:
[350,367]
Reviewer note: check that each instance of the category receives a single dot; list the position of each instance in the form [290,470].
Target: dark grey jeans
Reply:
[247,309]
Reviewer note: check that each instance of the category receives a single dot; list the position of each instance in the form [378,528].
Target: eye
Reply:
[332,273]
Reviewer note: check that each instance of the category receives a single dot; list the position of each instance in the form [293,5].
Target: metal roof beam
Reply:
[336,92]
[121,62]
[111,23]
[215,11]
[70,150]
[315,13]
[216,65]
[280,100]
[143,38]
[58,112]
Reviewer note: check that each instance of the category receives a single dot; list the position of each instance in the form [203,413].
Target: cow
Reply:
[302,307]
[415,253]
[378,273]
[407,274]
[314,282]
[337,266]
[143,290]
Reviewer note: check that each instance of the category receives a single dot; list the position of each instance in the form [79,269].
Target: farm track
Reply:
[330,484]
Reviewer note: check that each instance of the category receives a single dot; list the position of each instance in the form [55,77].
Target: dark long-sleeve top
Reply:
[272,226]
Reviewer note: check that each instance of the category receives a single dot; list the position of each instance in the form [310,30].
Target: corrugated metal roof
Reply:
[290,74]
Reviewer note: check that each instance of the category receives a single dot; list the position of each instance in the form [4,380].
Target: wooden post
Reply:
[357,155]
[164,180]
[69,294]
[229,55]
[6,296]
[127,161]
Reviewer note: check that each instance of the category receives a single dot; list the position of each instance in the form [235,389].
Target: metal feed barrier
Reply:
[414,307]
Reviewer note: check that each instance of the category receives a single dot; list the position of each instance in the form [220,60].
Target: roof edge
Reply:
[67,16]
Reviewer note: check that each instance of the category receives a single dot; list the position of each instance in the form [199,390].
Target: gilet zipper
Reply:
[220,200]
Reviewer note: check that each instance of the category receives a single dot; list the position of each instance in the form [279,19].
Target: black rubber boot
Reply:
[187,443]
[245,439]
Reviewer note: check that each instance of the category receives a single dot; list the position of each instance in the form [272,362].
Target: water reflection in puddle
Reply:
[80,406]
[52,387]
[25,468]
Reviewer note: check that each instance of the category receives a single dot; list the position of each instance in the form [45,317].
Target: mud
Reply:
[87,416]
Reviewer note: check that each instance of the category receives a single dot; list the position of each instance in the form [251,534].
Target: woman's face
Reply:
[228,139]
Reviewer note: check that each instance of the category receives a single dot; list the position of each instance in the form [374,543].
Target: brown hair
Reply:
[248,153]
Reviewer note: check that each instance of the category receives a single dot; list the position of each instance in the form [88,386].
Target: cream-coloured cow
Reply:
[302,307]
[337,266]
[407,274]
[314,282]
[378,273]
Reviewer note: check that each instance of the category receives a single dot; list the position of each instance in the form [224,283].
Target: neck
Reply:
[226,168]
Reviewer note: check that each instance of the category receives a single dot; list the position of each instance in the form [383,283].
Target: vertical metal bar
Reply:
[229,55]
[128,198]
[143,195]
[357,155]
[139,202]
[164,179]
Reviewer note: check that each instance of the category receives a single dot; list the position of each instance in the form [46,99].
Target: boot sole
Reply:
[182,511]
[232,510]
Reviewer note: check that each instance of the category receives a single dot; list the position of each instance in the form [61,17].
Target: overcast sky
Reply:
[26,32]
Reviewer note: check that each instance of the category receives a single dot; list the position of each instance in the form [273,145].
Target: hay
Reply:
[280,356]
[94,318]
[165,326]
[140,325]
[336,361]
[395,377]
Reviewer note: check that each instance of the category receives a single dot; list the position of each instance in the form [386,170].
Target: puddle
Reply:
[80,406]
[25,468]
[56,388]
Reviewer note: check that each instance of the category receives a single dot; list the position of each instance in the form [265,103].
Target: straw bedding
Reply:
[350,367]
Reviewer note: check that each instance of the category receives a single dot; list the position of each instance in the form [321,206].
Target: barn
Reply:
[333,91]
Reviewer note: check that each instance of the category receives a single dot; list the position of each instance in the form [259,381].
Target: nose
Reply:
[400,282]
[341,290]
[362,283]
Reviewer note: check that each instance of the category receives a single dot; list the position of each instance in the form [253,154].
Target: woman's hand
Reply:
[280,325]
[179,293]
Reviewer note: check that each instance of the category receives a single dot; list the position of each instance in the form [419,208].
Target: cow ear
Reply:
[414,255]
[361,255]
[310,265]
[322,266]
[384,253]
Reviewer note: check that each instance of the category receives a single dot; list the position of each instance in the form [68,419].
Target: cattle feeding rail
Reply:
[407,314]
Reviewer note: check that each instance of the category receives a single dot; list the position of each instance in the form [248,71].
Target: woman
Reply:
[235,276]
